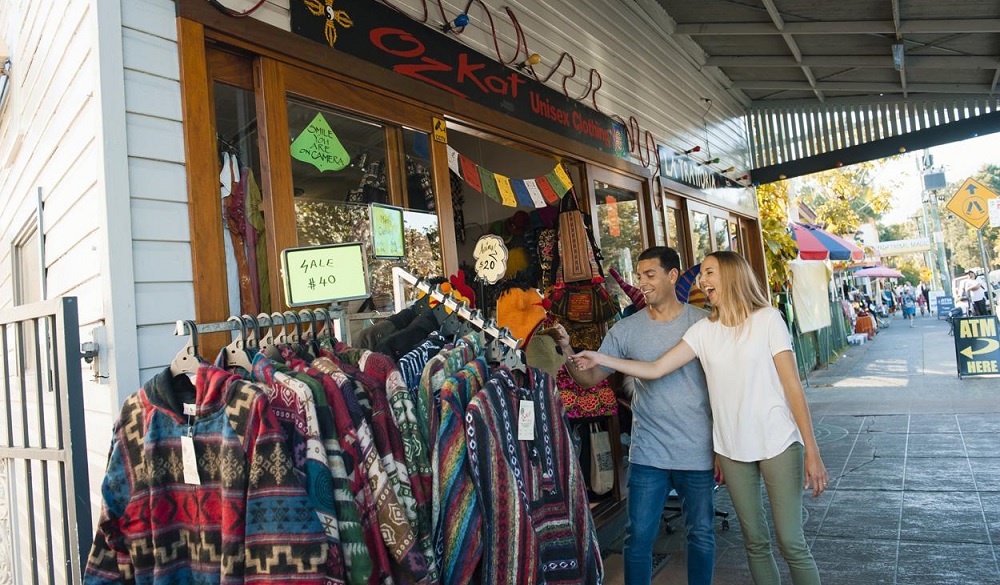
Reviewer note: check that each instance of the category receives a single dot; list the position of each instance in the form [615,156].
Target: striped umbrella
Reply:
[818,244]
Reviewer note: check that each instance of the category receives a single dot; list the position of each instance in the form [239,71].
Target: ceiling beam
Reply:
[779,23]
[986,25]
[864,61]
[902,47]
[862,87]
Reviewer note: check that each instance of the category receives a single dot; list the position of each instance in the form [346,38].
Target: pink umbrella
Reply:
[879,272]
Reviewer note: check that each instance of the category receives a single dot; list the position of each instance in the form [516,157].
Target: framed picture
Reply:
[387,231]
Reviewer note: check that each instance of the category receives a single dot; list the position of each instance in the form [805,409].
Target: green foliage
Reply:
[960,238]
[779,247]
[845,198]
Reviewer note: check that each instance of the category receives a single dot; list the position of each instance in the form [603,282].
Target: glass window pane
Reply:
[720,226]
[674,232]
[619,229]
[245,237]
[419,182]
[701,241]
[734,243]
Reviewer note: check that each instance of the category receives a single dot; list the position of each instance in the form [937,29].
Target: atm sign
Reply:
[977,346]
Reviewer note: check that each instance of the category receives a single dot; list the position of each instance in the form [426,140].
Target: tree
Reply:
[844,198]
[961,240]
[779,248]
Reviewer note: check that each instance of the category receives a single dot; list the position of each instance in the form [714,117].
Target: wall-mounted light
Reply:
[689,151]
[533,59]
[711,161]
[460,22]
[729,170]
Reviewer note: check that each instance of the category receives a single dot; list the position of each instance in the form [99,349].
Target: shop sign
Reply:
[690,172]
[900,247]
[319,146]
[378,34]
[491,258]
[324,274]
[977,347]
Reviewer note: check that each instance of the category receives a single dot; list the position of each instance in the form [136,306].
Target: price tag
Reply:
[526,421]
[491,258]
[190,409]
[190,460]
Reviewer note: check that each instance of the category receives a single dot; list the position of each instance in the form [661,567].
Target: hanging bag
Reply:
[578,293]
[602,470]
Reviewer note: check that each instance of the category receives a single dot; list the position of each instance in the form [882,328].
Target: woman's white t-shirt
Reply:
[751,417]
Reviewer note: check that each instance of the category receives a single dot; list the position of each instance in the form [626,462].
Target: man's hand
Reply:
[585,360]
[559,333]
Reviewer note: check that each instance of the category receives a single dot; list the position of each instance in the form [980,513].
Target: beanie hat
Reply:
[633,293]
[464,290]
[520,310]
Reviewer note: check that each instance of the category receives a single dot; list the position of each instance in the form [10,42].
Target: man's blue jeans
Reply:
[648,489]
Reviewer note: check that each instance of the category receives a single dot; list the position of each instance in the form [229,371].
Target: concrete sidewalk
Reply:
[914,459]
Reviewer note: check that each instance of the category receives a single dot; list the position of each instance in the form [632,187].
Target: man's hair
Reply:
[967,272]
[668,257]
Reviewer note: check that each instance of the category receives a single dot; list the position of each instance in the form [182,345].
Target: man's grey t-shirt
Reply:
[671,416]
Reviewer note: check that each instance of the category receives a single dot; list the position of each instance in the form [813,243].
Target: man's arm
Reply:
[585,378]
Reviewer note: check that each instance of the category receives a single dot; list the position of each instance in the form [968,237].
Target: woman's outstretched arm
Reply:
[676,357]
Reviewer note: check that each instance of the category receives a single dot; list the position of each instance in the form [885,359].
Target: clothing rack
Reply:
[333,315]
[473,316]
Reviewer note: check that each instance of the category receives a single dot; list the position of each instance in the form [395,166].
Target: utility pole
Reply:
[934,180]
[928,255]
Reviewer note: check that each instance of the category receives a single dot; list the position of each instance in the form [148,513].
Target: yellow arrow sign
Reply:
[991,346]
[970,203]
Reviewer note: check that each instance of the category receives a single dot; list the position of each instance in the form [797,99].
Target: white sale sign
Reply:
[491,258]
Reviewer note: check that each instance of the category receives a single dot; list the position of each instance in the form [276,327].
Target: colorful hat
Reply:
[458,283]
[633,293]
[520,310]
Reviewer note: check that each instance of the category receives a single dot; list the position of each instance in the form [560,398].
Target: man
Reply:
[671,446]
[976,292]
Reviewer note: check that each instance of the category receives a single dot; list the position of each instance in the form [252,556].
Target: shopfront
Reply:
[309,138]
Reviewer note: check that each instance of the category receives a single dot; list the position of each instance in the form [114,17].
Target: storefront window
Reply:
[734,243]
[673,216]
[701,240]
[721,228]
[619,228]
[340,166]
[244,234]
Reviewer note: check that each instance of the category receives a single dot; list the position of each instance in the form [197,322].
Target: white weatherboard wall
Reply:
[161,240]
[52,138]
[646,72]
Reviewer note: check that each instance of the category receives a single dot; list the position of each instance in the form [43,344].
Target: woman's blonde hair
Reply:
[739,293]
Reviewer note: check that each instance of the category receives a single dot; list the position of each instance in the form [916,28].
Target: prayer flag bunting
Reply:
[506,192]
[489,183]
[537,192]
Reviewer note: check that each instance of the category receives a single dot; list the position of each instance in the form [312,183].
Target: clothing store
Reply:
[483,206]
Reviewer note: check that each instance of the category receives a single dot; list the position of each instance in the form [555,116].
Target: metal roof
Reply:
[929,59]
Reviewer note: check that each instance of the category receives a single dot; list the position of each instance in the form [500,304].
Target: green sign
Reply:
[387,231]
[324,274]
[977,347]
[320,147]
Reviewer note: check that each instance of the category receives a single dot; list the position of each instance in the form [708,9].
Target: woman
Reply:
[761,422]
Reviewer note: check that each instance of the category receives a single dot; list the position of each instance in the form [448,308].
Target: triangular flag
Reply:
[320,147]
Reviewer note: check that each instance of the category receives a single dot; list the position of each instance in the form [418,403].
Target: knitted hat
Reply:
[633,293]
[520,310]
[458,283]
[541,352]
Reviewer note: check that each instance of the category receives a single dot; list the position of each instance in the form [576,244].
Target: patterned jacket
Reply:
[249,520]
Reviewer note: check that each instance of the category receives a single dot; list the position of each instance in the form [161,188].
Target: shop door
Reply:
[620,222]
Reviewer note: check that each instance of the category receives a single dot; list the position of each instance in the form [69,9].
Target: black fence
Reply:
[45,516]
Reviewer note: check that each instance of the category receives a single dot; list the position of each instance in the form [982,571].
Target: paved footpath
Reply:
[914,460]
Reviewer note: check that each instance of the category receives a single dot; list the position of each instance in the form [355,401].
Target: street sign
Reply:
[994,205]
[970,203]
[977,347]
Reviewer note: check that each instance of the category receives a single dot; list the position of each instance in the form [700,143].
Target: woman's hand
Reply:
[585,360]
[719,477]
[816,474]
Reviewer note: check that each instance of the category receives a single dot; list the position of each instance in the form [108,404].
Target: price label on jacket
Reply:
[491,258]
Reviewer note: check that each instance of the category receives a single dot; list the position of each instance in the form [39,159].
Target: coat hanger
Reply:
[267,340]
[186,361]
[511,358]
[251,332]
[235,354]
[293,326]
[281,336]
[307,329]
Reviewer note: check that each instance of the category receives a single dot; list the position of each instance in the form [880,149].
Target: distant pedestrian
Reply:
[909,302]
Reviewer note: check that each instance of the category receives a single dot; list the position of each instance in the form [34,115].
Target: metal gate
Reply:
[45,521]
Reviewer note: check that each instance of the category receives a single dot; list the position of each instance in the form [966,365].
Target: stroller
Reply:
[956,313]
